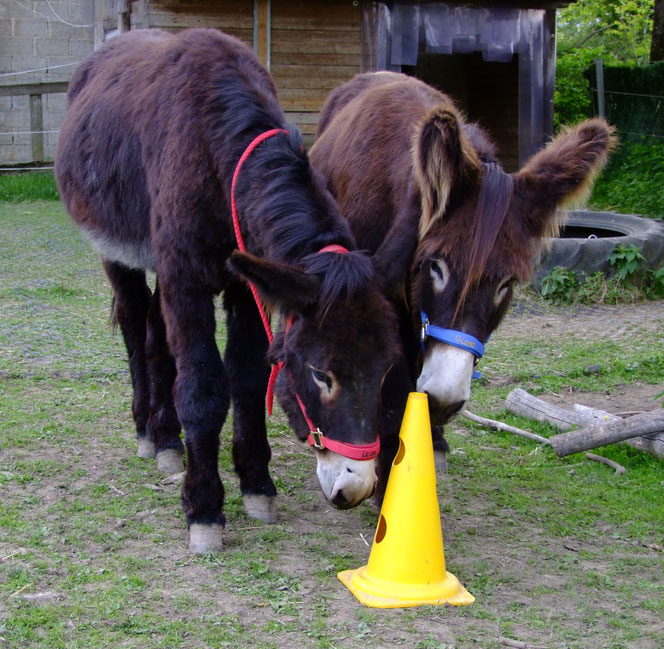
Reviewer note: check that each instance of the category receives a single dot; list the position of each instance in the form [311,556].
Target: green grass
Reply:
[632,180]
[93,545]
[20,187]
[548,365]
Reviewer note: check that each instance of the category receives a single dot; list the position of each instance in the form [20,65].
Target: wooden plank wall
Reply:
[315,46]
[235,17]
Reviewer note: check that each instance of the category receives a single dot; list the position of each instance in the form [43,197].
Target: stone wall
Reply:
[47,38]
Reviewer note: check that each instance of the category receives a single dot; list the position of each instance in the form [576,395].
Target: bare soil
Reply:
[590,323]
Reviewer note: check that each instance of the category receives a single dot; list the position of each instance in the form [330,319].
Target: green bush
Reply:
[560,286]
[631,282]
[18,187]
[572,99]
[633,180]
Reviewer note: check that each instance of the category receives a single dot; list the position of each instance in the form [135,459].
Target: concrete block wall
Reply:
[38,34]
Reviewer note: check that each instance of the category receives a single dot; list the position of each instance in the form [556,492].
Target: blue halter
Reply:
[452,337]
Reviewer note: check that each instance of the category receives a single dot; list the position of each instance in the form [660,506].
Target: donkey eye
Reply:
[440,275]
[322,379]
[503,290]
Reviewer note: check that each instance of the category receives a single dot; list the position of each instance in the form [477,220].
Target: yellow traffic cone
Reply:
[407,561]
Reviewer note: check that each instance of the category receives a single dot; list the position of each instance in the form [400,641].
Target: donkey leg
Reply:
[440,448]
[249,372]
[132,299]
[394,394]
[163,420]
[202,399]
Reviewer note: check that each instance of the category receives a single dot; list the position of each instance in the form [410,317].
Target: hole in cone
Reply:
[381,530]
[400,453]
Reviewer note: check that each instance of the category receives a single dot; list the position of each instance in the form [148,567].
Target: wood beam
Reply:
[262,19]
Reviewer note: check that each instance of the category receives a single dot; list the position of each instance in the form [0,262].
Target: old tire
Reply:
[588,255]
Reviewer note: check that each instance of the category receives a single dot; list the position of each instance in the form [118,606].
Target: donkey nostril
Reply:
[340,501]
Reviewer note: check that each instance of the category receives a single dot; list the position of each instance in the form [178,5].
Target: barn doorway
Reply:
[486,92]
[497,62]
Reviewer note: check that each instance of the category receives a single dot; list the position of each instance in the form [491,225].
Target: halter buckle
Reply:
[424,331]
[317,436]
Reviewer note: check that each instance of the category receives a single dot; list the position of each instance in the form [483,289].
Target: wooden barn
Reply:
[497,59]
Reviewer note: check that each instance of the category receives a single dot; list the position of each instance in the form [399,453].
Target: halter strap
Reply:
[451,337]
[315,437]
[236,223]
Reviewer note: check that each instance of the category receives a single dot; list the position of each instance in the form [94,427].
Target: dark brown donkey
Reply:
[385,137]
[150,146]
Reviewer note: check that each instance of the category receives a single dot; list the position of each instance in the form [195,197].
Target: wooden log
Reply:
[614,431]
[653,444]
[593,414]
[33,88]
[525,404]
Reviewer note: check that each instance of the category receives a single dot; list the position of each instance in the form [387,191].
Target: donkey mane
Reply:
[246,108]
[347,274]
[285,196]
[495,196]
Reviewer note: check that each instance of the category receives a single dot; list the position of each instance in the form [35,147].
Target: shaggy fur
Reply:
[155,128]
[383,136]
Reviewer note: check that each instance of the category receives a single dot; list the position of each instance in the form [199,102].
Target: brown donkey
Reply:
[174,152]
[384,138]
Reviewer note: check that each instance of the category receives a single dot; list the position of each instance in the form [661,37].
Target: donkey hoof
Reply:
[440,460]
[146,448]
[169,461]
[264,508]
[205,538]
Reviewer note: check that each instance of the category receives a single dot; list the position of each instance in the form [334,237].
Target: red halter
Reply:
[315,437]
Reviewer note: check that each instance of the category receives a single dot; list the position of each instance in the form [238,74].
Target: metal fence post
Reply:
[599,74]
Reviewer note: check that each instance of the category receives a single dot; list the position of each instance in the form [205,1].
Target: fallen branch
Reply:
[614,431]
[21,589]
[518,644]
[522,403]
[11,554]
[499,425]
[619,468]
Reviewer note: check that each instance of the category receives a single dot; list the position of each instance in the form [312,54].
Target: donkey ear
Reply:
[394,256]
[277,283]
[442,156]
[564,172]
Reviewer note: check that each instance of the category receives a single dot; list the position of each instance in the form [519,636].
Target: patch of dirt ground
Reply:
[530,319]
[614,322]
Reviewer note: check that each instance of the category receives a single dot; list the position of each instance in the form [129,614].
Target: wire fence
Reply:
[630,98]
[52,13]
[636,115]
[30,113]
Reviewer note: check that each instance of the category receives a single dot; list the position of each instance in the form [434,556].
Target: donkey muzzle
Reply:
[345,482]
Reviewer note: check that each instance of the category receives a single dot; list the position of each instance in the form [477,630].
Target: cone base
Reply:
[379,593]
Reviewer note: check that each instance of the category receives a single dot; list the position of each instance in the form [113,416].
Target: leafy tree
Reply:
[619,29]
[626,34]
[572,100]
